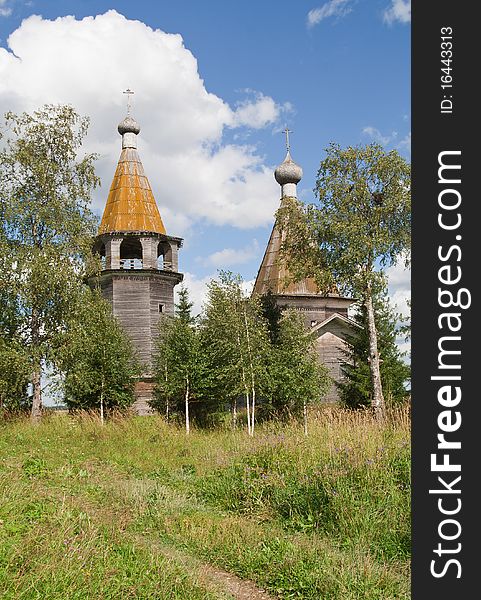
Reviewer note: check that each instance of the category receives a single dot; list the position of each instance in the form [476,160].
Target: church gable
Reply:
[336,325]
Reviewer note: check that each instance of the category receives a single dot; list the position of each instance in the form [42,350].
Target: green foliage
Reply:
[178,363]
[230,355]
[134,509]
[45,227]
[356,389]
[98,359]
[272,313]
[236,342]
[296,378]
[14,376]
[362,222]
[183,308]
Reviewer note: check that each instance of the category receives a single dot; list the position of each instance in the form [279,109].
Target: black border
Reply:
[434,132]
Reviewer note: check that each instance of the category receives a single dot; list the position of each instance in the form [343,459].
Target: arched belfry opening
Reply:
[139,260]
[100,250]
[131,253]
[165,256]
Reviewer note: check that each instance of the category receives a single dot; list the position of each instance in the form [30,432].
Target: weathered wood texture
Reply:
[139,297]
[314,308]
[144,391]
[331,351]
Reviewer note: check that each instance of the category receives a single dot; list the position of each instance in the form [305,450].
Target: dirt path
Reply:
[239,589]
[227,585]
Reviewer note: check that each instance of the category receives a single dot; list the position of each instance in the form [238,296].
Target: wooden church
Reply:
[140,268]
[325,316]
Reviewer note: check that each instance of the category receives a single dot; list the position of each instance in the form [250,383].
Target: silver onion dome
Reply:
[288,171]
[128,125]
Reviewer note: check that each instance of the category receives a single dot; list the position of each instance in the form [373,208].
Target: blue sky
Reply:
[212,100]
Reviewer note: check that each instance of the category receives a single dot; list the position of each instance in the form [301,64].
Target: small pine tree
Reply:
[297,379]
[272,314]
[183,308]
[356,389]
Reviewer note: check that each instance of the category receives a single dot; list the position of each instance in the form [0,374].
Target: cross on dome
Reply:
[129,92]
[287,131]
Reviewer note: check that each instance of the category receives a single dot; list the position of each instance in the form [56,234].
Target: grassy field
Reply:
[135,508]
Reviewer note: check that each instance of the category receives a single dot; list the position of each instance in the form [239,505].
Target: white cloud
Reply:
[405,143]
[399,10]
[333,8]
[377,136]
[399,285]
[229,257]
[248,286]
[193,173]
[259,113]
[5,10]
[198,288]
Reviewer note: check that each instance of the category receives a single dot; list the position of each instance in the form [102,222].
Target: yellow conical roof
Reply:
[130,204]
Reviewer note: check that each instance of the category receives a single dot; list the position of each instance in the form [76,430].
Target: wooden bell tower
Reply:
[139,260]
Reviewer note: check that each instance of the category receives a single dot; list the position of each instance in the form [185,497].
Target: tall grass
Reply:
[90,511]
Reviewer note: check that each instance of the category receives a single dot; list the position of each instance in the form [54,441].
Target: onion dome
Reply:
[288,171]
[128,125]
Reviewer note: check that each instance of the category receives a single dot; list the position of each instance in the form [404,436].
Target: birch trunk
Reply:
[244,382]
[253,409]
[304,412]
[102,404]
[36,412]
[187,423]
[253,387]
[378,404]
[167,406]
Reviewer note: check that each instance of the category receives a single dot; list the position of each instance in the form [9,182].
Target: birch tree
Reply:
[178,363]
[99,363]
[237,343]
[45,226]
[360,226]
[355,388]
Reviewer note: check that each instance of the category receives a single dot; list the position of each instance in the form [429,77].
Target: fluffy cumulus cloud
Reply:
[194,173]
[399,11]
[259,111]
[333,8]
